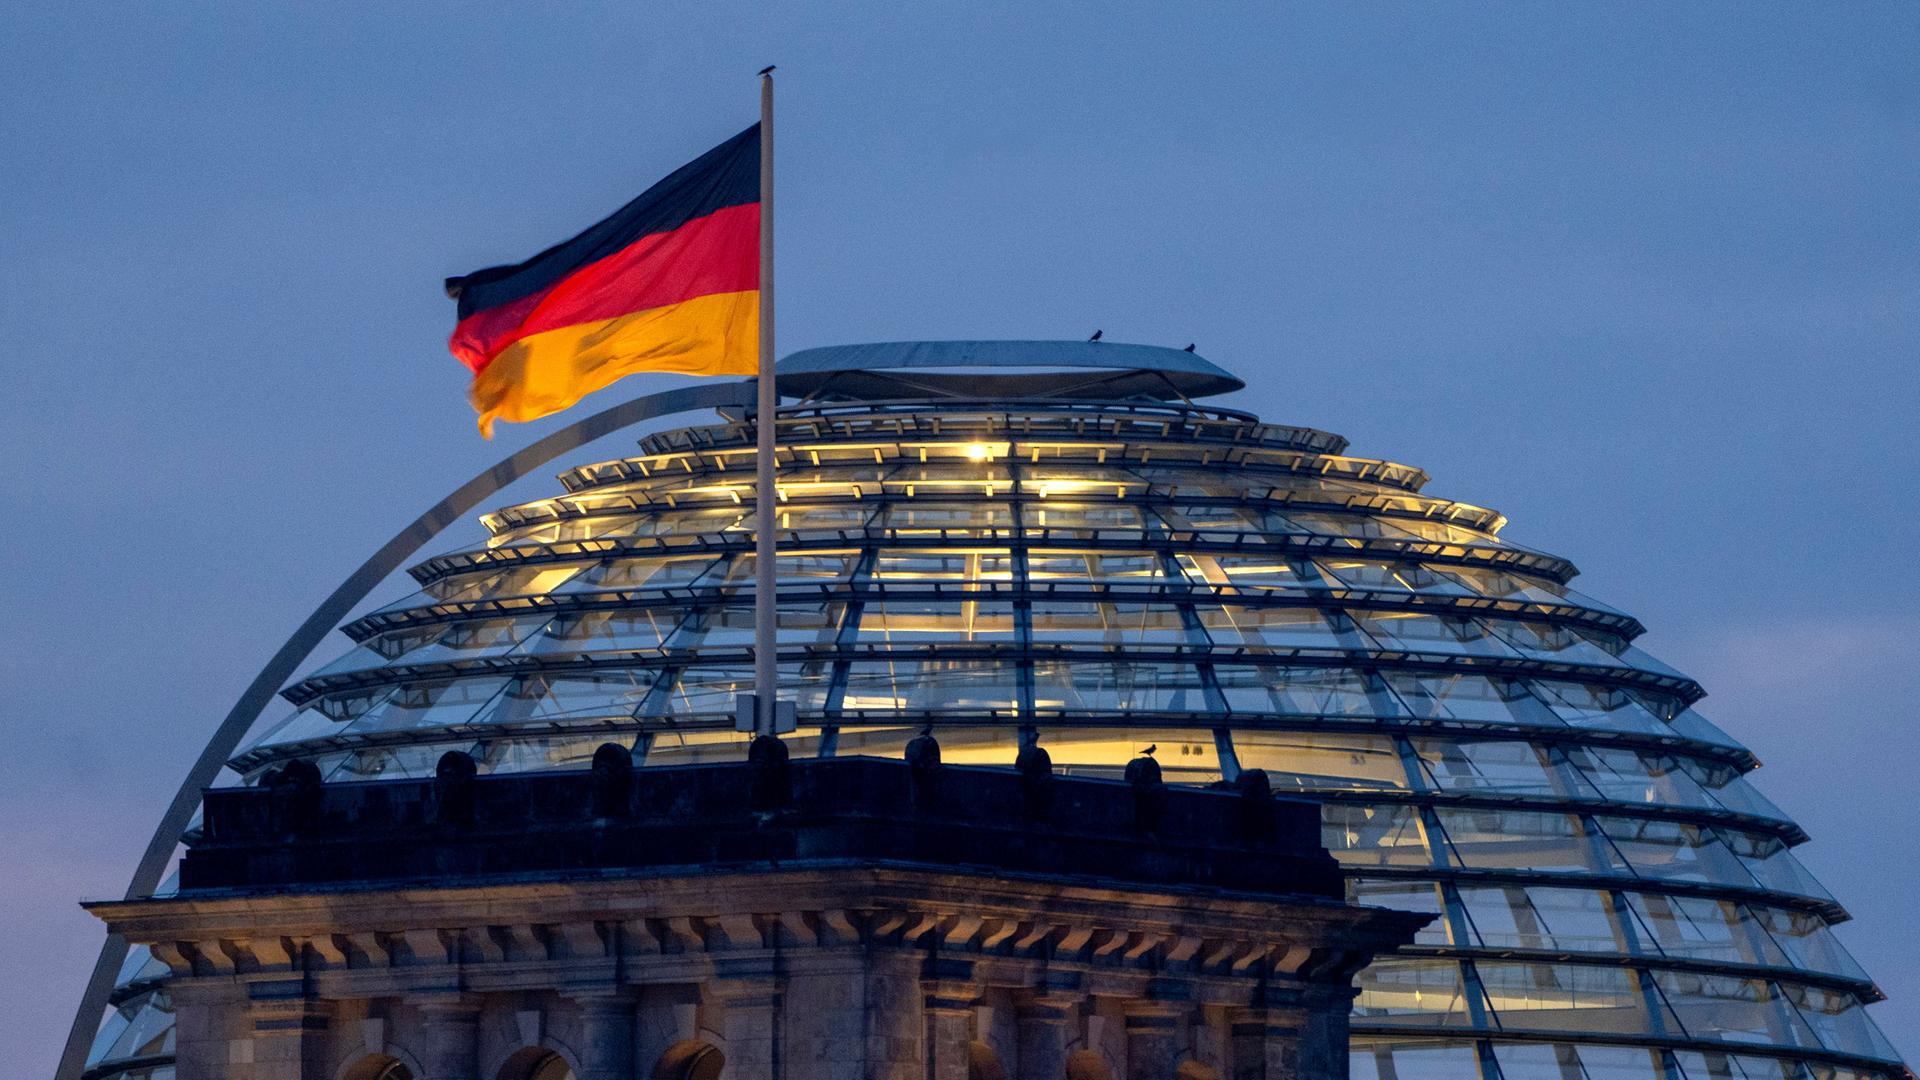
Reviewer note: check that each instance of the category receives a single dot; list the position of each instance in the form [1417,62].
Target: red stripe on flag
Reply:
[718,253]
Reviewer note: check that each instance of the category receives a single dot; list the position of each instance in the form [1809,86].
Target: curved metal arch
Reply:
[246,711]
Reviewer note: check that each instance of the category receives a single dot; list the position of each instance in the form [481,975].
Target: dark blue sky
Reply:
[1645,277]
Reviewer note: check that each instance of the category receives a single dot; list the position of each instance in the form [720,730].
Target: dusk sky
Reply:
[1645,277]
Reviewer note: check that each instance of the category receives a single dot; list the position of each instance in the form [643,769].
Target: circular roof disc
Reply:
[1074,370]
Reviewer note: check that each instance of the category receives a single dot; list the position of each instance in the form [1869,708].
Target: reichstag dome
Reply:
[1013,541]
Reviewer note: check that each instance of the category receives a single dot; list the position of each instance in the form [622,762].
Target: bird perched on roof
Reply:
[1096,335]
[1189,347]
[1148,752]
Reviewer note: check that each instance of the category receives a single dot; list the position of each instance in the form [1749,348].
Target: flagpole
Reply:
[765,609]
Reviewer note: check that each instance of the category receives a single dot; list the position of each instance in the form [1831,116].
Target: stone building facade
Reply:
[847,919]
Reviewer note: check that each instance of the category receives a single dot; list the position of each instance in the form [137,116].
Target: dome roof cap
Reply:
[1093,370]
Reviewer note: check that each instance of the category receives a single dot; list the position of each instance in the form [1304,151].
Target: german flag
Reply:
[670,282]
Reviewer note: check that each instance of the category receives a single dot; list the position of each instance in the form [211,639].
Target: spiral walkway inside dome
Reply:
[1058,541]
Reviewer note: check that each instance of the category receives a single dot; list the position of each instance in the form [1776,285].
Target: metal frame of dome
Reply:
[892,370]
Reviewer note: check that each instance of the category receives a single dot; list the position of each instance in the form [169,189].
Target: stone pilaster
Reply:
[1044,1025]
[750,1019]
[606,1035]
[1154,1028]
[289,1032]
[949,1015]
[206,1036]
[450,1044]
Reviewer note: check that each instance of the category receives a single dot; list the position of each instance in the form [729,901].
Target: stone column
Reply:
[606,1035]
[1153,1036]
[949,1014]
[1044,1026]
[450,1044]
[750,1019]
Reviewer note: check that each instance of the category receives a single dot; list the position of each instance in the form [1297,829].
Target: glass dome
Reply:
[1614,899]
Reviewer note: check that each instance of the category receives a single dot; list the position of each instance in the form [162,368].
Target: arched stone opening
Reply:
[377,1067]
[535,1063]
[983,1063]
[690,1059]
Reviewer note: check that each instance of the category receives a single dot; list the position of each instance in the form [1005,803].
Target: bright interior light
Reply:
[977,452]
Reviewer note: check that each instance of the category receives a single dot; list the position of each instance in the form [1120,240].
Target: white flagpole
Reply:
[766,501]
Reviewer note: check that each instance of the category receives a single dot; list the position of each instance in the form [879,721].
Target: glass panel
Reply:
[1304,691]
[625,629]
[1694,726]
[1046,566]
[1632,776]
[1541,917]
[949,565]
[148,1028]
[1415,631]
[1374,574]
[916,518]
[1268,627]
[1806,938]
[923,622]
[1546,641]
[680,746]
[1418,992]
[931,685]
[1388,835]
[1503,584]
[828,517]
[1112,687]
[1251,571]
[431,704]
[535,580]
[1061,621]
[1534,841]
[1674,850]
[1566,997]
[790,568]
[711,691]
[1296,762]
[733,626]
[614,575]
[1054,514]
[411,762]
[616,694]
[1471,698]
[1567,1061]
[1698,928]
[541,753]
[1586,706]
[980,744]
[1376,1058]
[1186,756]
[1492,766]
[1733,1009]
[1840,1021]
